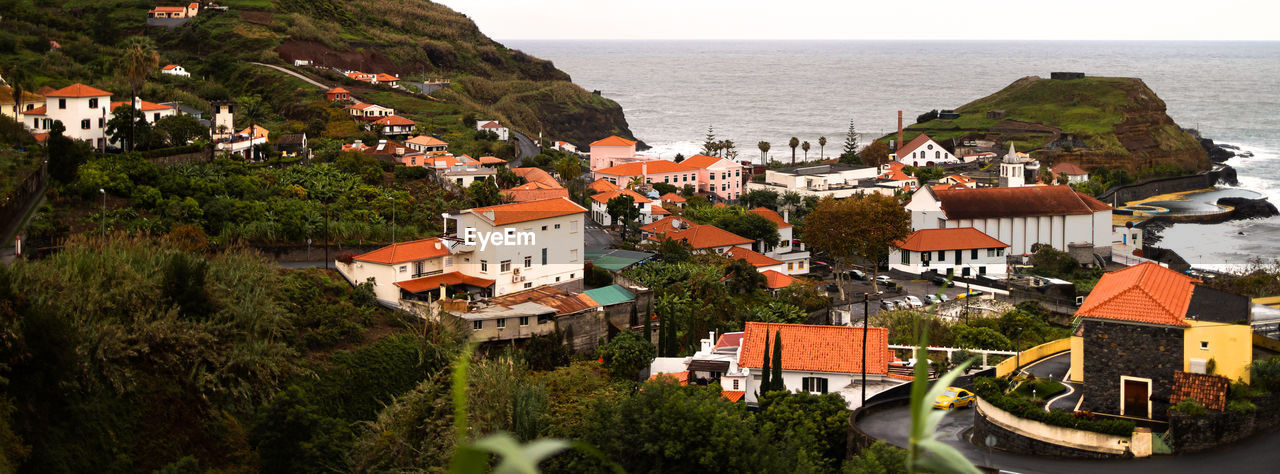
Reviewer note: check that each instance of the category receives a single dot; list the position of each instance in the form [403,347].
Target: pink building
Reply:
[613,151]
[655,171]
[717,176]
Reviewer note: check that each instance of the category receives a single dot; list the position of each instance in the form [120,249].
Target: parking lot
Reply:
[901,289]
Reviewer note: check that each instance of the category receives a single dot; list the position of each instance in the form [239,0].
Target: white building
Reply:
[600,207]
[1020,216]
[790,251]
[493,126]
[1018,169]
[704,238]
[241,144]
[1073,172]
[175,70]
[923,151]
[566,147]
[835,180]
[815,359]
[369,112]
[150,111]
[464,175]
[420,265]
[83,110]
[541,243]
[963,251]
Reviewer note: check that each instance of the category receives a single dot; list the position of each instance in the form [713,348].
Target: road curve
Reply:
[306,79]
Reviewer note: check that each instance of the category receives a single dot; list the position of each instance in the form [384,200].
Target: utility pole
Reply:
[103,192]
[866,318]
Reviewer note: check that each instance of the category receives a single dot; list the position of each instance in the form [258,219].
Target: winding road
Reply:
[306,79]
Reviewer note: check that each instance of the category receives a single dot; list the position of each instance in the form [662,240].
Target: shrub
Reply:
[1242,407]
[598,277]
[991,390]
[1265,374]
[1189,406]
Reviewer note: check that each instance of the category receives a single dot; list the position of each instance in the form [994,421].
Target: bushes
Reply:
[992,391]
[1189,406]
[597,277]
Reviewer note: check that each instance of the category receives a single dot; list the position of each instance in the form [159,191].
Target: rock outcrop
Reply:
[1245,208]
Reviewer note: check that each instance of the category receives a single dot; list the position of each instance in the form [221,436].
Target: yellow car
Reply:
[954,397]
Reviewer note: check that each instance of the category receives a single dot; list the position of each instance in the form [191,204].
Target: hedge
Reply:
[992,391]
[177,150]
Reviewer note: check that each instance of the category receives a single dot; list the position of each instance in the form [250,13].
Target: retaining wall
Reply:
[1010,365]
[1154,187]
[1020,435]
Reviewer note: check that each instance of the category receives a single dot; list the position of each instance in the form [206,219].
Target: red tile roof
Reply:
[1144,293]
[777,280]
[817,348]
[658,210]
[751,256]
[1068,168]
[1209,390]
[732,395]
[491,124]
[386,78]
[523,194]
[338,90]
[955,238]
[1028,201]
[41,110]
[492,160]
[681,378]
[666,225]
[394,120]
[503,214]
[169,67]
[406,252]
[427,140]
[78,90]
[672,197]
[729,339]
[914,143]
[448,279]
[771,215]
[613,141]
[702,161]
[961,178]
[606,196]
[706,237]
[535,175]
[635,168]
[143,106]
[603,185]
[896,172]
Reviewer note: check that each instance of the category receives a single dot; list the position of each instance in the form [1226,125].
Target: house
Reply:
[962,251]
[369,112]
[717,176]
[534,191]
[815,359]
[565,147]
[775,280]
[427,144]
[612,151]
[923,151]
[655,171]
[30,100]
[705,238]
[603,186]
[243,144]
[600,207]
[521,315]
[388,79]
[151,112]
[789,250]
[1073,172]
[1021,216]
[536,175]
[835,180]
[190,11]
[302,62]
[493,126]
[175,70]
[762,262]
[894,175]
[337,94]
[673,199]
[665,225]
[386,150]
[403,269]
[464,175]
[83,110]
[491,161]
[291,145]
[362,76]
[547,247]
[395,125]
[960,180]
[1141,326]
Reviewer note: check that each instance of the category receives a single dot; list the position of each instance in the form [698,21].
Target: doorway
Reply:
[1135,397]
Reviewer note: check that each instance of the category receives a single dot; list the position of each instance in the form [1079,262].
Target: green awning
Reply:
[610,295]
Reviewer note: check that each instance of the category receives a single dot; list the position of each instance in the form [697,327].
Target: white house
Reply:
[540,243]
[762,262]
[150,111]
[493,126]
[1073,172]
[566,147]
[790,250]
[302,62]
[369,112]
[600,207]
[241,144]
[962,251]
[175,70]
[83,110]
[1020,216]
[923,151]
[395,125]
[835,180]
[421,265]
[427,144]
[815,359]
[703,238]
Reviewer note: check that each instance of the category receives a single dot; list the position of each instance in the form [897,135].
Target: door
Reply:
[1136,398]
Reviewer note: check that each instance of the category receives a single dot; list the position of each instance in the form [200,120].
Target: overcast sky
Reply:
[875,19]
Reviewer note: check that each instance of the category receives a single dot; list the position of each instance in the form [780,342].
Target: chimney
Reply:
[709,342]
[899,131]
[644,171]
[786,216]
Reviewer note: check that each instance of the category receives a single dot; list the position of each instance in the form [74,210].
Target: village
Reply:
[996,271]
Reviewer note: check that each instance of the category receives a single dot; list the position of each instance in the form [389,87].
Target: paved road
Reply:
[526,148]
[295,74]
[1055,367]
[599,237]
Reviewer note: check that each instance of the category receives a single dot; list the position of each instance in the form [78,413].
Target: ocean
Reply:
[752,91]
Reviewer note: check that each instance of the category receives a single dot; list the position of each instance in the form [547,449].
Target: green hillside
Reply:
[1094,121]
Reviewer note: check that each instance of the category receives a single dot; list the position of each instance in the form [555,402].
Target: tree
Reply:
[664,188]
[483,193]
[139,59]
[982,338]
[16,77]
[764,152]
[822,146]
[862,227]
[179,130]
[879,458]
[759,198]
[805,146]
[816,424]
[546,352]
[626,355]
[875,154]
[65,155]
[850,149]
[125,126]
[570,169]
[925,117]
[752,226]
[766,375]
[252,110]
[793,143]
[507,179]
[741,278]
[622,210]
[776,379]
[709,145]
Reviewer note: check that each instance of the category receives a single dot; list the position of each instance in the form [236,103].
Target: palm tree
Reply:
[764,152]
[17,77]
[254,110]
[805,146]
[822,146]
[795,142]
[140,58]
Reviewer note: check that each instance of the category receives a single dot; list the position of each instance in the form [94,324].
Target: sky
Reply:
[875,19]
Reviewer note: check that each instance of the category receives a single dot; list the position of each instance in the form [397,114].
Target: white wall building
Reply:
[815,359]
[600,207]
[923,151]
[1020,216]
[541,243]
[961,251]
[495,127]
[791,251]
[835,180]
[83,110]
[175,70]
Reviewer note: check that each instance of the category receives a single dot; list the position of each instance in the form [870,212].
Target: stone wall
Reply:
[1010,441]
[1113,350]
[1189,434]
[1146,189]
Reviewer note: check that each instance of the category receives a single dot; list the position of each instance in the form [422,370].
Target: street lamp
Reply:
[866,318]
[103,192]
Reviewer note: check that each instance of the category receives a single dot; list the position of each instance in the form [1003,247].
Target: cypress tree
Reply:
[662,336]
[635,318]
[776,378]
[648,322]
[764,369]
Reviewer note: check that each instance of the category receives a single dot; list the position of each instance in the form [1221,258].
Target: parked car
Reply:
[857,274]
[944,297]
[954,397]
[938,279]
[913,301]
[884,279]
[888,304]
[932,298]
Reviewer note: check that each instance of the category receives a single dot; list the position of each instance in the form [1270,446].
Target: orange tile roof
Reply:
[914,143]
[729,339]
[503,214]
[143,106]
[1209,390]
[613,141]
[672,197]
[702,161]
[602,185]
[521,194]
[338,90]
[531,174]
[777,280]
[491,124]
[896,173]
[771,215]
[706,237]
[1068,168]
[955,238]
[606,196]
[534,185]
[1144,293]
[427,140]
[41,110]
[359,106]
[658,210]
[447,279]
[961,178]
[681,378]
[751,256]
[1027,201]
[169,67]
[386,78]
[78,90]
[394,120]
[406,252]
[492,160]
[635,168]
[41,137]
[665,225]
[732,395]
[817,348]
[258,131]
[170,9]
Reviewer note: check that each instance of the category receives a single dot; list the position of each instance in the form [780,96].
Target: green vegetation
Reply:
[1260,279]
[1190,407]
[1023,328]
[993,391]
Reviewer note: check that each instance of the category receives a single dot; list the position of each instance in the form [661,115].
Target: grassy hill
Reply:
[416,39]
[1095,121]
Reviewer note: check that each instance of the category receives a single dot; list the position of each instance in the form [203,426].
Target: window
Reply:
[93,103]
[973,254]
[814,384]
[557,226]
[62,103]
[84,124]
[544,256]
[991,252]
[157,117]
[999,252]
[448,261]
[573,255]
[477,325]
[573,275]
[502,323]
[573,226]
[800,265]
[982,270]
[964,272]
[937,154]
[504,266]
[958,255]
[1204,345]
[906,258]
[942,255]
[790,266]
[404,268]
[735,384]
[528,285]
[484,266]
[417,267]
[544,227]
[524,320]
[528,261]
